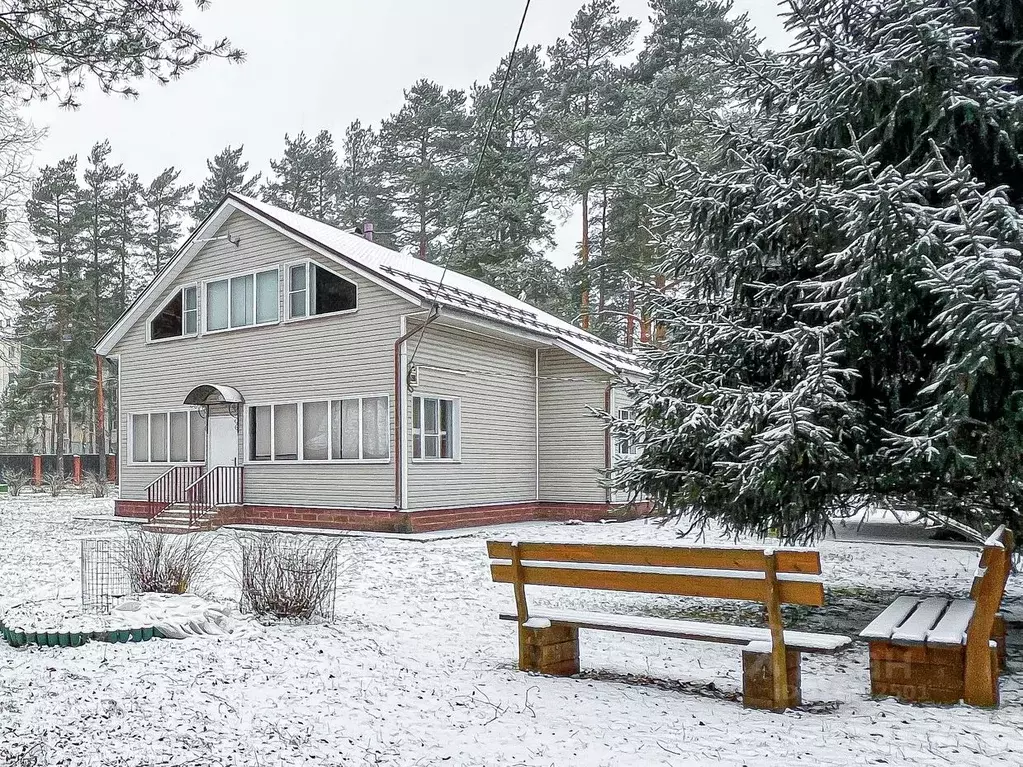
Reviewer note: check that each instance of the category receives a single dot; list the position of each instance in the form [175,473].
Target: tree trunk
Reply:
[584,262]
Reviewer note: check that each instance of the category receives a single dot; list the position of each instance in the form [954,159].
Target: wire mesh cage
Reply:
[105,580]
[290,577]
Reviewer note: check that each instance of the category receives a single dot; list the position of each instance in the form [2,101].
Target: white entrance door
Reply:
[222,450]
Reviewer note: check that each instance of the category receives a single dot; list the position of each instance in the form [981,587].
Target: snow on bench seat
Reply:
[915,627]
[884,624]
[681,629]
[951,629]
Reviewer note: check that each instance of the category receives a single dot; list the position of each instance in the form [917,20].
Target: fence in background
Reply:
[75,466]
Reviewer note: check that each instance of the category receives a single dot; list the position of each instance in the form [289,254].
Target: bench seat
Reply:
[917,621]
[941,650]
[682,629]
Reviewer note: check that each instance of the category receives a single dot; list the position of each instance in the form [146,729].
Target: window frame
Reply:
[329,399]
[455,437]
[181,290]
[309,263]
[625,414]
[253,273]
[149,436]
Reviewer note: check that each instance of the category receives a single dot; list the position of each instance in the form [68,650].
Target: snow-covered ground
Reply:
[418,670]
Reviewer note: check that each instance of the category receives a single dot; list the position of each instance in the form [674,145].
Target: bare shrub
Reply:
[165,564]
[289,577]
[56,482]
[16,482]
[98,484]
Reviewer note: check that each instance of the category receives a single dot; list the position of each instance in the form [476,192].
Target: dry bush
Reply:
[165,564]
[289,577]
[98,484]
[16,482]
[56,482]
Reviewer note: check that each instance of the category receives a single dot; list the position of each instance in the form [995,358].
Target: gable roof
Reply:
[409,277]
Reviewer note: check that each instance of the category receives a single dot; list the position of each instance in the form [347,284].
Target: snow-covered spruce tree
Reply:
[846,321]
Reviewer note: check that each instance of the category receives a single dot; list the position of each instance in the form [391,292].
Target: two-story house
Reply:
[281,371]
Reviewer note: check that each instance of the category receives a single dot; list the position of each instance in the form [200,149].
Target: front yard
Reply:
[417,670]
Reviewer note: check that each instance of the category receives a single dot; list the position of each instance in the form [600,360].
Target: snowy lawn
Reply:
[418,670]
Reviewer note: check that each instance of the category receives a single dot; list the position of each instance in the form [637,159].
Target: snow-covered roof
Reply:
[409,275]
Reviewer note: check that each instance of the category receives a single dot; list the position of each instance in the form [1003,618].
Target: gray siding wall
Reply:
[329,357]
[495,382]
[571,437]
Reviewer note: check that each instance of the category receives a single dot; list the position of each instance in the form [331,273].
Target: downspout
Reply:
[536,415]
[401,405]
[607,441]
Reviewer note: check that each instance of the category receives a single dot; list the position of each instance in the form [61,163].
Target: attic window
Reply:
[314,290]
[179,317]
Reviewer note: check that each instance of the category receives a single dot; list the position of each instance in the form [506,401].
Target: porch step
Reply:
[176,519]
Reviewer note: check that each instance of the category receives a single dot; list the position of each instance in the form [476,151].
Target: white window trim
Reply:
[250,273]
[308,263]
[158,312]
[456,440]
[249,461]
[149,421]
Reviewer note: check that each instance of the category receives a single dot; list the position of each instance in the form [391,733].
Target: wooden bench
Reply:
[549,638]
[939,650]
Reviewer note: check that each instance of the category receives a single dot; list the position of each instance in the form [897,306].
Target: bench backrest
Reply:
[995,564]
[721,573]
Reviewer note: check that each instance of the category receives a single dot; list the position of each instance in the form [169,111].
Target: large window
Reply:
[353,429]
[242,301]
[176,436]
[313,290]
[435,428]
[179,317]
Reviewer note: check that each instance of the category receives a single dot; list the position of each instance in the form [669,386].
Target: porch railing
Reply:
[220,486]
[170,488]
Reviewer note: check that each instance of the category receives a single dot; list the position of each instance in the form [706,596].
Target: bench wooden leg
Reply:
[981,687]
[758,680]
[998,637]
[553,650]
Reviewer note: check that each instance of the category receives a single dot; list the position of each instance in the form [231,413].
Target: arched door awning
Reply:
[214,394]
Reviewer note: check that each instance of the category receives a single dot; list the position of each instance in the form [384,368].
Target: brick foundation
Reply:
[918,674]
[553,650]
[390,520]
[758,680]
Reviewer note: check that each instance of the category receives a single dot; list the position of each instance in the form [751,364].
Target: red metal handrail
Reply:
[170,488]
[220,486]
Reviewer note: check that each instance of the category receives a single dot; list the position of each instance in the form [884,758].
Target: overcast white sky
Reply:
[314,64]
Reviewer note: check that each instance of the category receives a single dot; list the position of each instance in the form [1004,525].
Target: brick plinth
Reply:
[391,520]
[758,680]
[919,674]
[553,650]
[134,509]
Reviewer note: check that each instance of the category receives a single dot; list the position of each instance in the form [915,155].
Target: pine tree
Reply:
[128,228]
[506,228]
[100,219]
[583,71]
[53,321]
[227,173]
[361,195]
[291,186]
[55,49]
[422,160]
[679,81]
[845,327]
[164,201]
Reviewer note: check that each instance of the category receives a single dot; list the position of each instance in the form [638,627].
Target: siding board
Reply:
[571,437]
[346,355]
[495,383]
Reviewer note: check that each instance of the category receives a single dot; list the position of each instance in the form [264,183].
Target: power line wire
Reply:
[479,166]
